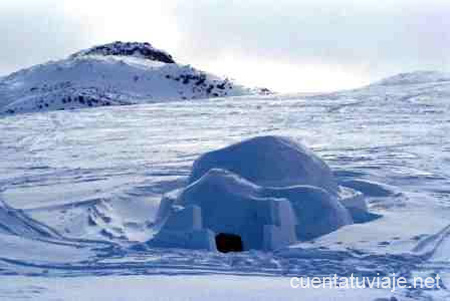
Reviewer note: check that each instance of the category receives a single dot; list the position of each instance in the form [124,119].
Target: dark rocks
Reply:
[142,50]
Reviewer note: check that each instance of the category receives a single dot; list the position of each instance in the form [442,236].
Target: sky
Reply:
[284,45]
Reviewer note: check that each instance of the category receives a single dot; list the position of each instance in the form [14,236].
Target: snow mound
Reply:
[411,78]
[269,161]
[133,49]
[267,192]
[370,188]
[112,74]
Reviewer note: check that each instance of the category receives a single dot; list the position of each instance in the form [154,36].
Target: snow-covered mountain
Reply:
[112,74]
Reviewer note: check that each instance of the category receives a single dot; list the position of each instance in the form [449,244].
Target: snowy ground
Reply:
[99,174]
[178,288]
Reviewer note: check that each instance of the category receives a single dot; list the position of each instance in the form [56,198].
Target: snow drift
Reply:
[113,74]
[268,191]
[17,223]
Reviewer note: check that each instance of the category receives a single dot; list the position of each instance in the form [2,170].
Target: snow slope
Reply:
[411,78]
[99,174]
[112,74]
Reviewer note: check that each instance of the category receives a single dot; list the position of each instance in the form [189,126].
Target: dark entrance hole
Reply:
[228,243]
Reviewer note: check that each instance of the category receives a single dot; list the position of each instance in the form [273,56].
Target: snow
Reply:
[269,161]
[317,212]
[60,169]
[418,77]
[262,190]
[177,288]
[369,188]
[15,222]
[229,204]
[20,250]
[183,229]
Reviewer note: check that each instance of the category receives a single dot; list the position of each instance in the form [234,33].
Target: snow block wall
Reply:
[268,191]
[232,205]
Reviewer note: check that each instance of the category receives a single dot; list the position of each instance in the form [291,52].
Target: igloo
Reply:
[264,193]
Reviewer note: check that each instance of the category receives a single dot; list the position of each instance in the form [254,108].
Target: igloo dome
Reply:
[273,161]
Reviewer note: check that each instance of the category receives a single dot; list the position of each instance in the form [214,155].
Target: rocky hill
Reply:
[112,74]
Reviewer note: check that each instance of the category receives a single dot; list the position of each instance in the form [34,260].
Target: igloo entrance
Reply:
[226,242]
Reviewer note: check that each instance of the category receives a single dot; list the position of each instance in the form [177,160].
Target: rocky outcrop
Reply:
[136,49]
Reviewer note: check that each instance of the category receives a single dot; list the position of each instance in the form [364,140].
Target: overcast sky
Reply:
[285,45]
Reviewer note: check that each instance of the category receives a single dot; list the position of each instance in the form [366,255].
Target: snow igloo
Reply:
[263,194]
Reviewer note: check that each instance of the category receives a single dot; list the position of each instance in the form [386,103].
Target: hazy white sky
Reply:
[285,45]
